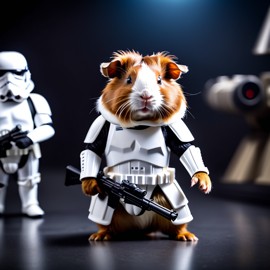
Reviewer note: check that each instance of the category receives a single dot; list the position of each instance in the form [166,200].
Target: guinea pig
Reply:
[142,89]
[140,123]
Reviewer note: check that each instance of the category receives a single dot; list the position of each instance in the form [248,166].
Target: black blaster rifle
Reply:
[11,136]
[125,190]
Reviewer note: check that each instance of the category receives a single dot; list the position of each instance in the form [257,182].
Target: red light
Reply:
[249,93]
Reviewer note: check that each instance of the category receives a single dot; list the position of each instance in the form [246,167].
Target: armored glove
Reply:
[23,142]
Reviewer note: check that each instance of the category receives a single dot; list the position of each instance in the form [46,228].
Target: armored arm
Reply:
[179,139]
[95,145]
[42,120]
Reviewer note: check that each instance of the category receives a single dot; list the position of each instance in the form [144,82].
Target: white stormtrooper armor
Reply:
[33,115]
[142,157]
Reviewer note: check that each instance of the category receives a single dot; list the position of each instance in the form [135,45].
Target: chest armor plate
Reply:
[147,145]
[12,113]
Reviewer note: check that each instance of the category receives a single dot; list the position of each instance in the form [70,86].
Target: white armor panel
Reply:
[10,60]
[130,144]
[179,202]
[41,104]
[95,129]
[90,163]
[192,161]
[182,132]
[29,175]
[41,133]
[12,113]
[99,210]
[42,117]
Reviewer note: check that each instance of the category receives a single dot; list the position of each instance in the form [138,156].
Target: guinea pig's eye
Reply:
[129,80]
[159,79]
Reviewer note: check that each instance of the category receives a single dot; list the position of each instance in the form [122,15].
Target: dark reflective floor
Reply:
[232,235]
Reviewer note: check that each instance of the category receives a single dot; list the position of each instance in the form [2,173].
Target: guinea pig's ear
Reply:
[174,71]
[111,69]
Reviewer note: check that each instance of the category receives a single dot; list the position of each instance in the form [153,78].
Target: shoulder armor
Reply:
[95,129]
[181,130]
[40,103]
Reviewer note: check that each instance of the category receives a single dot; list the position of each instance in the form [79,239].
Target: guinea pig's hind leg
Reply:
[103,234]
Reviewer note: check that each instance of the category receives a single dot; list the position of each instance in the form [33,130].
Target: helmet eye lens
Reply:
[18,72]
[2,72]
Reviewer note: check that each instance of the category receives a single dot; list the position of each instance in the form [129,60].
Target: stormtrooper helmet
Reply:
[15,77]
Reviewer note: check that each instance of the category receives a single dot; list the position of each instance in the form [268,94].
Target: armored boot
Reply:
[30,205]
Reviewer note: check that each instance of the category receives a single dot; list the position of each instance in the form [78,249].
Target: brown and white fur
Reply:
[142,90]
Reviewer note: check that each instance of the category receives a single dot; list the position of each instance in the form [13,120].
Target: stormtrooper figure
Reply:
[30,114]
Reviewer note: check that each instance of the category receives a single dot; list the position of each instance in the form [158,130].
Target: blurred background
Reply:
[65,42]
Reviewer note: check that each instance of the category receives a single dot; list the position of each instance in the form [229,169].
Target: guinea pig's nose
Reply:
[146,95]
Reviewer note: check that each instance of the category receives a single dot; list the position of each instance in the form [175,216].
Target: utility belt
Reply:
[141,173]
[15,151]
[16,158]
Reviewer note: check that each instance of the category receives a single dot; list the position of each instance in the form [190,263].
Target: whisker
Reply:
[190,114]
[125,113]
[192,94]
[94,108]
[94,104]
[117,97]
[166,108]
[121,102]
[122,107]
[96,98]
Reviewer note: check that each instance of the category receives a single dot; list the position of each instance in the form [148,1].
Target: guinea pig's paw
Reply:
[90,186]
[100,236]
[205,184]
[187,236]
